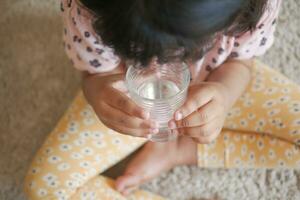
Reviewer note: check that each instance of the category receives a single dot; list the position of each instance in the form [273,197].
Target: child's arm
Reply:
[203,114]
[234,75]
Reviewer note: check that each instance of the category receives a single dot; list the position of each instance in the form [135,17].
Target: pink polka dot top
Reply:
[87,52]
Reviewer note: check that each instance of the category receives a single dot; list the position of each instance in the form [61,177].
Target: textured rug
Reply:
[37,83]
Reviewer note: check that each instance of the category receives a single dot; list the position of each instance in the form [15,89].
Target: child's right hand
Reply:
[116,110]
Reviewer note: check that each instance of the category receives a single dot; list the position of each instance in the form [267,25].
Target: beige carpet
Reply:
[37,83]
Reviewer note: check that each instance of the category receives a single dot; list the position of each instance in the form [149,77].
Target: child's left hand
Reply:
[203,114]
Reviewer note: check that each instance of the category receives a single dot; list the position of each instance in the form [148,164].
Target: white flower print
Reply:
[209,145]
[272,154]
[286,90]
[288,153]
[116,141]
[63,136]
[48,151]
[258,129]
[280,125]
[65,147]
[248,102]
[256,87]
[260,144]
[262,159]
[71,184]
[229,114]
[231,125]
[86,112]
[237,161]
[79,142]
[99,144]
[88,121]
[213,157]
[244,150]
[73,123]
[296,122]
[251,156]
[60,193]
[261,122]
[284,99]
[63,166]
[294,132]
[53,183]
[31,184]
[277,122]
[85,134]
[35,170]
[273,112]
[236,111]
[269,103]
[85,164]
[87,151]
[245,95]
[281,163]
[97,135]
[270,90]
[89,196]
[251,116]
[72,129]
[98,158]
[294,110]
[42,192]
[231,148]
[294,104]
[49,177]
[252,138]
[243,122]
[279,80]
[77,176]
[76,155]
[54,159]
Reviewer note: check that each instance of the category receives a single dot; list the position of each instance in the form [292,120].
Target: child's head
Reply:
[170,29]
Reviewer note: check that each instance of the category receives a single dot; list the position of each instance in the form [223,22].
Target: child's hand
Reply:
[203,114]
[114,108]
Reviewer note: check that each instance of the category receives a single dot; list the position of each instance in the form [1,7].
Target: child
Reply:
[239,113]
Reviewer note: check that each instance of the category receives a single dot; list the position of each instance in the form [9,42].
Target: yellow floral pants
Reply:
[261,130]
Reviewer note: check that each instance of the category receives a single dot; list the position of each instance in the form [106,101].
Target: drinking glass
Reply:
[160,89]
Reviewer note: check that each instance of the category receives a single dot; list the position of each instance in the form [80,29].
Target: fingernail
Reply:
[172,124]
[178,115]
[145,115]
[154,130]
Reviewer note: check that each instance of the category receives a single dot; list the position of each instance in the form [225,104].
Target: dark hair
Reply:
[170,29]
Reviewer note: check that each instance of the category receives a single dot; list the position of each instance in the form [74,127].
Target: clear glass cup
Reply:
[161,90]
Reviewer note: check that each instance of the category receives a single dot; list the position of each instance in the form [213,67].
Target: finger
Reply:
[123,119]
[202,131]
[202,116]
[122,102]
[197,97]
[128,131]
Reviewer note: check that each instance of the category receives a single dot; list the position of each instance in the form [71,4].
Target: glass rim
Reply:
[128,85]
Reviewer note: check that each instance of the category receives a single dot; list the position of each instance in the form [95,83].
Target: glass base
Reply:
[164,135]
